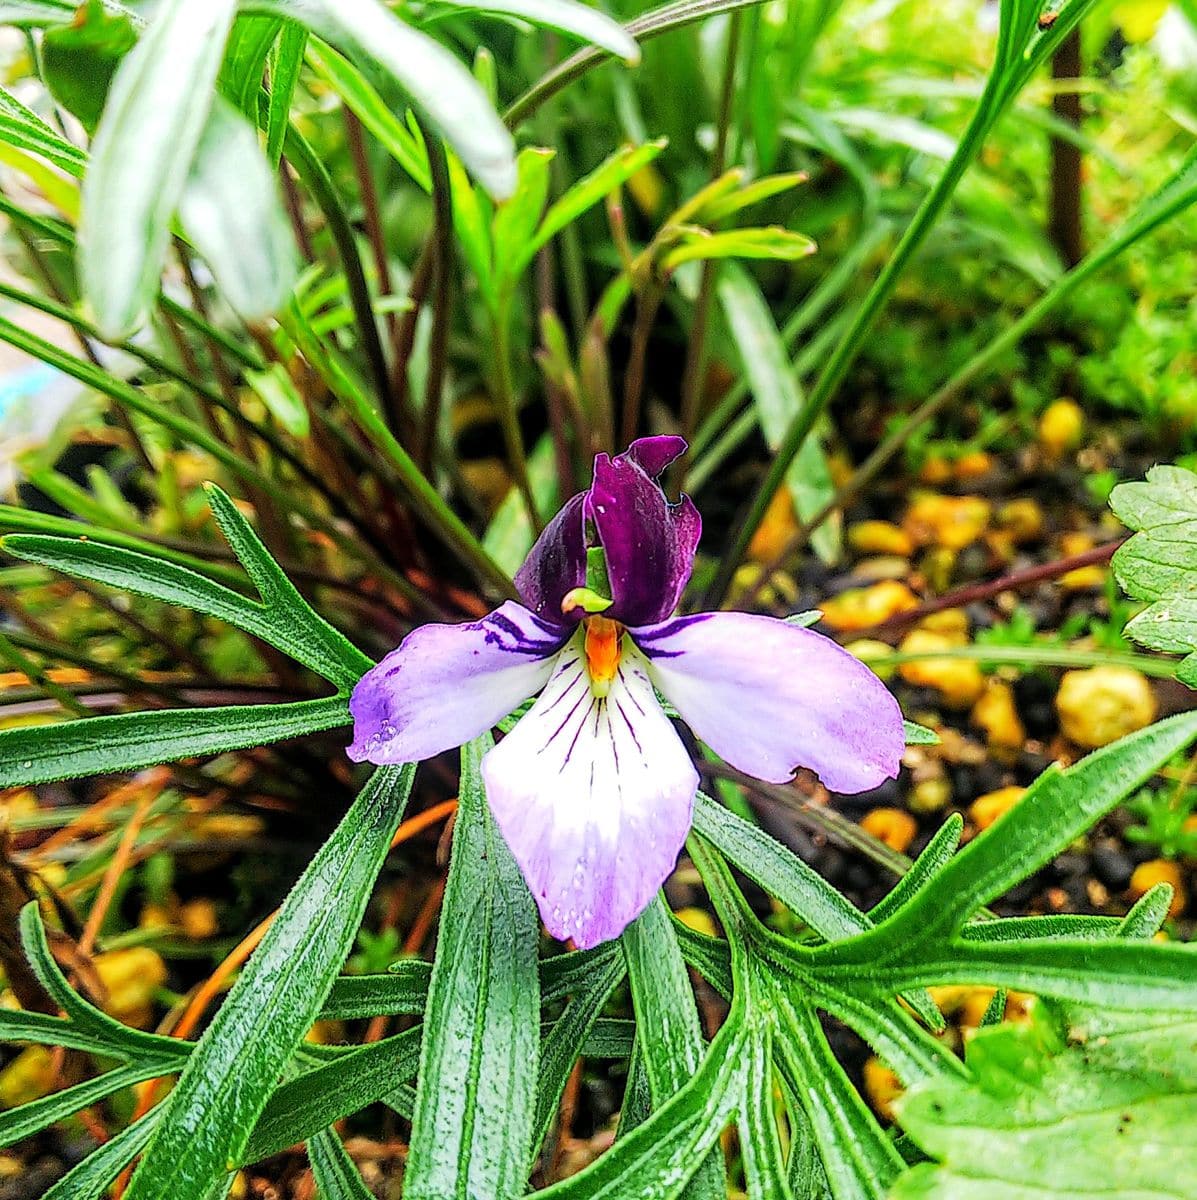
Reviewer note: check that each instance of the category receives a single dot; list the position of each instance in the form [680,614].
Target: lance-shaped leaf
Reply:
[439,86]
[232,213]
[668,1033]
[476,1098]
[142,154]
[208,1118]
[778,398]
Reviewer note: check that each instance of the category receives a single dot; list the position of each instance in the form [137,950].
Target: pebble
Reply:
[950,522]
[862,608]
[893,826]
[1061,427]
[959,681]
[1160,870]
[880,537]
[1112,866]
[1099,705]
[997,714]
[985,810]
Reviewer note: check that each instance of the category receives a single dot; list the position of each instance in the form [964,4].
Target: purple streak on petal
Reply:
[446,684]
[770,697]
[654,454]
[596,807]
[555,565]
[649,543]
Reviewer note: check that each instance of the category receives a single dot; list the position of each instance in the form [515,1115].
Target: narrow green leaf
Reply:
[24,1121]
[563,1045]
[760,1142]
[336,1176]
[919,735]
[668,1029]
[1058,807]
[23,128]
[567,16]
[775,243]
[208,1118]
[859,1161]
[657,1159]
[141,156]
[438,85]
[249,45]
[130,741]
[89,1179]
[348,1083]
[368,106]
[232,213]
[286,61]
[476,1097]
[404,990]
[276,389]
[778,398]
[120,1040]
[516,218]
[590,189]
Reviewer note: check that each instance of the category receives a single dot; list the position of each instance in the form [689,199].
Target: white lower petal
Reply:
[594,797]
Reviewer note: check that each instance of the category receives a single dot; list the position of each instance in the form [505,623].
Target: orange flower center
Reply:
[604,640]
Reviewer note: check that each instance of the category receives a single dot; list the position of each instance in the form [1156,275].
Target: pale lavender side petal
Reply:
[556,564]
[594,798]
[649,543]
[769,697]
[446,684]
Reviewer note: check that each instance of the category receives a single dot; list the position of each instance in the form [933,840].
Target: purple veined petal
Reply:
[654,454]
[446,684]
[594,798]
[769,697]
[649,543]
[556,564]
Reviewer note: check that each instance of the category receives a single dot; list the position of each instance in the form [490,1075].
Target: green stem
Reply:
[862,322]
[317,180]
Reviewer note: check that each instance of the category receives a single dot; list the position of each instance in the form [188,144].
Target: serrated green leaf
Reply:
[1159,564]
[208,1118]
[233,214]
[778,398]
[141,156]
[1109,1115]
[475,1102]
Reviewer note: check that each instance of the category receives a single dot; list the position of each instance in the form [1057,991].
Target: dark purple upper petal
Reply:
[649,543]
[654,454]
[556,564]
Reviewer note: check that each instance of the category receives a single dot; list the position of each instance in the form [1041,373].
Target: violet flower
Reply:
[593,790]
